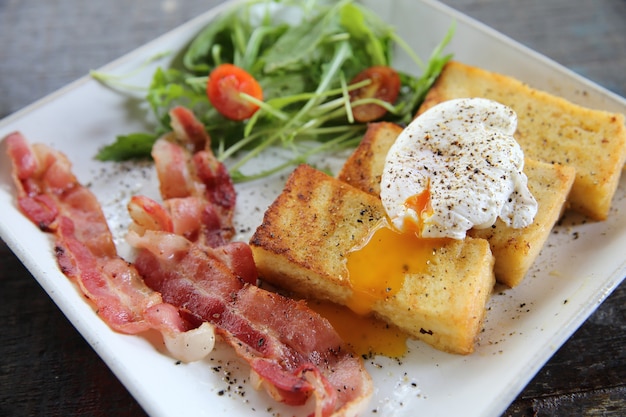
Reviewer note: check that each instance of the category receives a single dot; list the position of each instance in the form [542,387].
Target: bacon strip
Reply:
[195,185]
[50,195]
[187,273]
[293,352]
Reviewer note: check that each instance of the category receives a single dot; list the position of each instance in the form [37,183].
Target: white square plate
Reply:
[581,264]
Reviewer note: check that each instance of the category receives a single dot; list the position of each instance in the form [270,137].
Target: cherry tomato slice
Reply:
[385,85]
[225,84]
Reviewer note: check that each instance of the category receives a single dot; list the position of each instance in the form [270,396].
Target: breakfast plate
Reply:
[580,265]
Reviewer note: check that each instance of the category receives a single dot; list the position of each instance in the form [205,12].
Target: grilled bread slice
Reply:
[308,231]
[550,129]
[515,250]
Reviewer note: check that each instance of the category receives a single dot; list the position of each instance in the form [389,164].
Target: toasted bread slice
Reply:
[515,250]
[310,228]
[550,129]
[364,167]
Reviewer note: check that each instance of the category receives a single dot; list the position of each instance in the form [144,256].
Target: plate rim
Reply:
[542,356]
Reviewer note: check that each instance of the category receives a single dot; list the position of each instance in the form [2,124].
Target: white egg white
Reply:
[464,154]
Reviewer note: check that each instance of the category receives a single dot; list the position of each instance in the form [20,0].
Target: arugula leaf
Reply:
[414,89]
[373,40]
[301,53]
[135,145]
[171,88]
[301,45]
[199,56]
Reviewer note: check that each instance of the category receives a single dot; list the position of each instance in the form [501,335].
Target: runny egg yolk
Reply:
[378,268]
[420,204]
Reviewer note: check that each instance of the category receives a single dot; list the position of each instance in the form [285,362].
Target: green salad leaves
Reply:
[303,54]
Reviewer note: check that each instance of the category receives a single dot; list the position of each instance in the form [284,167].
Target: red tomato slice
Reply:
[385,86]
[224,86]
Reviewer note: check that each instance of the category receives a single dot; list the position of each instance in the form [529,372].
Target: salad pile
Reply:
[303,75]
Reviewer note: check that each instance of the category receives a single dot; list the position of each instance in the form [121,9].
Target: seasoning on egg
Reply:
[456,167]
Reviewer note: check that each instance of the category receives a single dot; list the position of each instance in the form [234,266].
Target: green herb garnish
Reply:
[303,54]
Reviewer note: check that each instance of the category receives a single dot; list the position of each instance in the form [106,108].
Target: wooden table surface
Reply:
[47,369]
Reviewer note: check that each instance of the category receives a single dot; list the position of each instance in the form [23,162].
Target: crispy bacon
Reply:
[51,196]
[293,352]
[187,273]
[193,181]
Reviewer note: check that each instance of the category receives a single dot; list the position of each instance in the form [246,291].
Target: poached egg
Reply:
[456,167]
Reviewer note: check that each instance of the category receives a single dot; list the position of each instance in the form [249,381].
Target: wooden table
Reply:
[46,366]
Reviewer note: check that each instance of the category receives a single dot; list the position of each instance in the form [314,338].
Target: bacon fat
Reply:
[293,352]
[187,273]
[51,196]
[190,176]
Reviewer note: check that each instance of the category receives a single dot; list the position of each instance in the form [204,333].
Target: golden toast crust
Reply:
[515,250]
[306,233]
[550,129]
[364,167]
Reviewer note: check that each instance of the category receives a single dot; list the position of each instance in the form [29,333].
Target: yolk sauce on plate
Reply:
[366,335]
[377,270]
